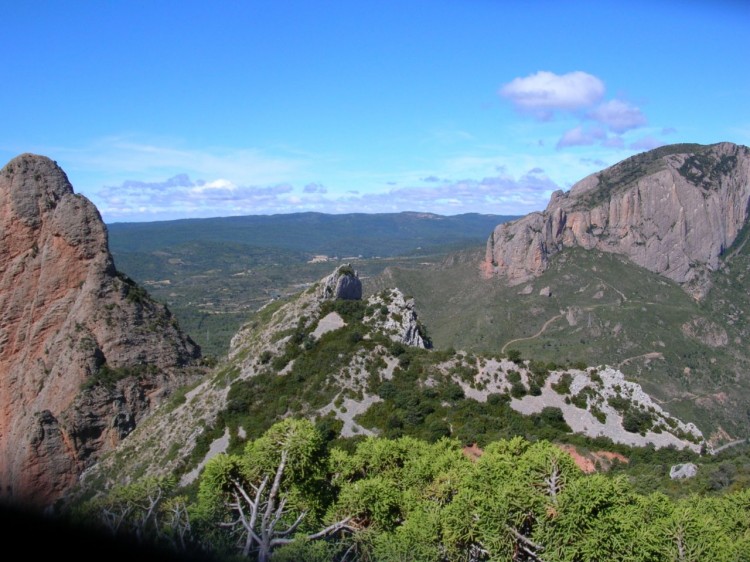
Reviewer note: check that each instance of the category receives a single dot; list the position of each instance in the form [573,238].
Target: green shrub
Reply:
[554,418]
[636,420]
[619,403]
[534,389]
[109,376]
[518,390]
[514,355]
[562,386]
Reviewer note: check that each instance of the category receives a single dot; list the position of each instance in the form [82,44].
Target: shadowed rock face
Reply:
[343,284]
[85,354]
[673,210]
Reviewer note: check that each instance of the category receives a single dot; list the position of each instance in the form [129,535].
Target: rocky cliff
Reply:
[674,211]
[85,353]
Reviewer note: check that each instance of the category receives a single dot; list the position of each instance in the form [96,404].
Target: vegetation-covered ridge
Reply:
[287,496]
[363,367]
[701,166]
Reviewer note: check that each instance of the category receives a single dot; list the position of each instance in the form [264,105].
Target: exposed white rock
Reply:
[683,471]
[217,447]
[527,290]
[331,321]
[394,315]
[666,430]
[348,410]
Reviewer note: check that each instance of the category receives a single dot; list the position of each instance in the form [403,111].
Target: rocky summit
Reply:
[674,211]
[85,354]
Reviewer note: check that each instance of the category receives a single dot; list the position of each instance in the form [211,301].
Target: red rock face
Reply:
[68,318]
[674,216]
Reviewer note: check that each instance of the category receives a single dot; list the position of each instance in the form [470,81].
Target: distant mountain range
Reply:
[355,234]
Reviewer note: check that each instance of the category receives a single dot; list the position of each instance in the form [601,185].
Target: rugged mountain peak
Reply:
[673,210]
[84,352]
[343,284]
[30,198]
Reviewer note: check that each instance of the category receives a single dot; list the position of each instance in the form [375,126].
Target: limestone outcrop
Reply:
[683,471]
[396,316]
[85,353]
[673,210]
[342,284]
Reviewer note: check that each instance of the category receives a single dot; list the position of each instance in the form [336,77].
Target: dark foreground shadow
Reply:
[39,537]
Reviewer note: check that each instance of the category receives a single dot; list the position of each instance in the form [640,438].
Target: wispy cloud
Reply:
[431,179]
[449,136]
[314,188]
[614,142]
[594,162]
[495,194]
[160,157]
[618,115]
[581,136]
[179,196]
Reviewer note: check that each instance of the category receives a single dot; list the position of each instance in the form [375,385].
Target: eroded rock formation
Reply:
[344,283]
[84,352]
[674,210]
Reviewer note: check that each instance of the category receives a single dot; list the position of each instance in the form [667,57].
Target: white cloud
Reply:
[500,194]
[170,199]
[579,96]
[215,184]
[545,92]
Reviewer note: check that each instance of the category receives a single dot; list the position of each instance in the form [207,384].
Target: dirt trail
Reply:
[539,333]
[649,355]
[718,450]
[618,291]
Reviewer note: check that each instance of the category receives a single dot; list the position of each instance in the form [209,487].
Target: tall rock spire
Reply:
[84,352]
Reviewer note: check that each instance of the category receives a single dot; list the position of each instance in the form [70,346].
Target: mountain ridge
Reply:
[387,234]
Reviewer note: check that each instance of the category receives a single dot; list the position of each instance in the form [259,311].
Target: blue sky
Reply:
[163,110]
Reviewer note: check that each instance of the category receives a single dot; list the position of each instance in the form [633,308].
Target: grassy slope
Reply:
[603,309]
